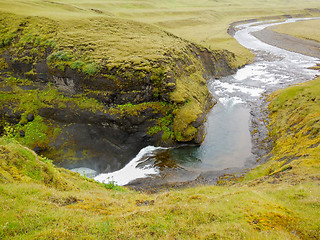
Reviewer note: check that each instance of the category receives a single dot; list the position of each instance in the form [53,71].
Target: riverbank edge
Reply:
[289,43]
[259,126]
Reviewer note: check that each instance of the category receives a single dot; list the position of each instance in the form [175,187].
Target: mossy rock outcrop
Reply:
[126,82]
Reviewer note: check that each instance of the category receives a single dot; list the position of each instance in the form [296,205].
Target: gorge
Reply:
[229,147]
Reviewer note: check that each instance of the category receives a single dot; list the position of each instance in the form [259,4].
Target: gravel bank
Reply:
[290,43]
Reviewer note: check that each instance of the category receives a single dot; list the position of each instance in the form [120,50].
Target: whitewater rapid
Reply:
[131,171]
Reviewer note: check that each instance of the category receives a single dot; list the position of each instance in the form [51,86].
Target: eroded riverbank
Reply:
[236,128]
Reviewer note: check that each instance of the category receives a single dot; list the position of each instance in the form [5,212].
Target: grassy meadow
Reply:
[304,29]
[202,21]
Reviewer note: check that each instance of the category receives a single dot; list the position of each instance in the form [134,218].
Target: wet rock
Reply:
[22,133]
[30,117]
[9,115]
[37,149]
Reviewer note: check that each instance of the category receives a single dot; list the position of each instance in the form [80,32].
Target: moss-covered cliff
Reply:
[120,81]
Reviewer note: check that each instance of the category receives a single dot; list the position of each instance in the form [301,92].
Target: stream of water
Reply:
[228,144]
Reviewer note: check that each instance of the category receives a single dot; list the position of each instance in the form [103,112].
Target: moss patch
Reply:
[294,130]
[20,164]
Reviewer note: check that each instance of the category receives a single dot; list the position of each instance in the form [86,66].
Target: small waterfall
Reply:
[131,171]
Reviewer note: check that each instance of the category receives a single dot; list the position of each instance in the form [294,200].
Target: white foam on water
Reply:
[249,70]
[231,88]
[131,171]
[230,101]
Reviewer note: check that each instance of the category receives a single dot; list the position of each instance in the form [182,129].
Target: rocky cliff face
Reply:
[89,102]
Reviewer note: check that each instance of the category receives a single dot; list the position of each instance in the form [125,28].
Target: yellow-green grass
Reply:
[43,202]
[203,21]
[294,130]
[108,42]
[304,29]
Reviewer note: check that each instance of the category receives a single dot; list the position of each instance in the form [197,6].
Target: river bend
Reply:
[228,145]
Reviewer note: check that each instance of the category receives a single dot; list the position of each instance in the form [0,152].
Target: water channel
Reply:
[228,144]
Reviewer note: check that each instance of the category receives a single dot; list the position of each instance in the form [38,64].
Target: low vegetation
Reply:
[303,29]
[294,129]
[116,48]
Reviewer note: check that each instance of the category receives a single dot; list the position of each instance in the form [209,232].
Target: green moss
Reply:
[3,64]
[183,119]
[91,69]
[282,205]
[29,101]
[36,133]
[163,125]
[167,135]
[12,81]
[154,130]
[40,132]
[59,56]
[78,64]
[20,163]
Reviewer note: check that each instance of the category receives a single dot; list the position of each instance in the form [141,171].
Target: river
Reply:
[228,147]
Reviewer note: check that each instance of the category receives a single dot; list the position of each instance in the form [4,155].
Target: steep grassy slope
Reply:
[277,200]
[108,52]
[294,129]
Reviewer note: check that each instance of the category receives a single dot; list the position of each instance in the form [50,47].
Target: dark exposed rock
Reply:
[30,117]
[37,149]
[10,115]
[22,133]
